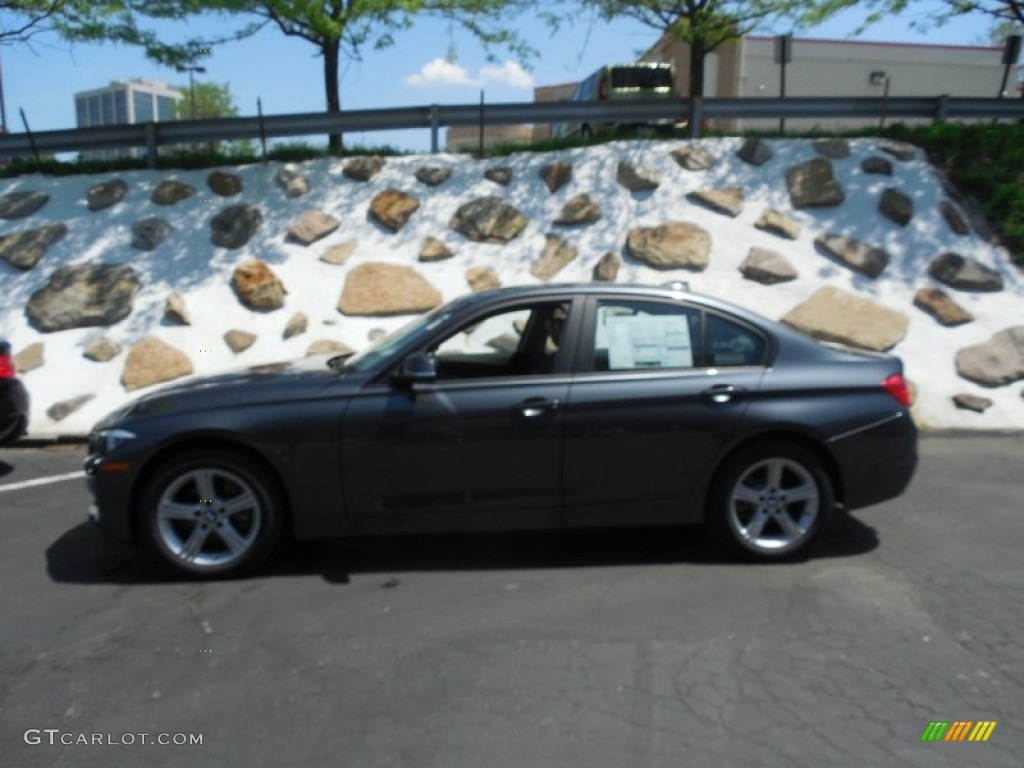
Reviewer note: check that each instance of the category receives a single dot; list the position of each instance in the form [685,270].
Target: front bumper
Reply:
[111,493]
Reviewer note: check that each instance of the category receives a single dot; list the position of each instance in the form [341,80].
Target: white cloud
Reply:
[440,72]
[510,73]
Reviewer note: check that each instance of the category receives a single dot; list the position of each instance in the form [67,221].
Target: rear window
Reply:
[641,77]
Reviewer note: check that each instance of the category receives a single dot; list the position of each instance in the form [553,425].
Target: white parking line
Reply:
[41,481]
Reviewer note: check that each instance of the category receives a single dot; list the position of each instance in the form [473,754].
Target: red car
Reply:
[13,399]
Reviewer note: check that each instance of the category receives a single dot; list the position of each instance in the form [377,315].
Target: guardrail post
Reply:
[31,139]
[434,125]
[696,115]
[151,153]
[942,108]
[263,128]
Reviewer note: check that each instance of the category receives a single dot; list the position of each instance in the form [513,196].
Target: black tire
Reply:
[770,501]
[226,535]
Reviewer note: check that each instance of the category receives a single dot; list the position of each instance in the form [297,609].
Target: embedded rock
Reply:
[488,220]
[482,279]
[728,200]
[954,218]
[392,208]
[996,362]
[18,205]
[896,206]
[966,402]
[63,409]
[637,179]
[833,149]
[939,305]
[901,150]
[291,181]
[556,254]
[257,287]
[580,209]
[234,226]
[100,196]
[175,309]
[607,268]
[378,289]
[965,274]
[24,249]
[674,245]
[171,192]
[339,254]
[224,184]
[813,185]
[767,267]
[502,176]
[831,314]
[84,295]
[239,341]
[693,158]
[148,233]
[754,151]
[363,168]
[434,250]
[30,358]
[433,175]
[556,175]
[101,350]
[877,165]
[296,326]
[152,361]
[328,347]
[779,224]
[311,226]
[376,334]
[860,257]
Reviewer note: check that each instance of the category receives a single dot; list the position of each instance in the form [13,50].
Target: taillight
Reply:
[896,386]
[6,367]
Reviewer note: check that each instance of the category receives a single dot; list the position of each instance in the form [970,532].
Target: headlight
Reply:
[109,439]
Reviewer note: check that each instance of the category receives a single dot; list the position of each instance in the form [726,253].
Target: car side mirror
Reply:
[417,368]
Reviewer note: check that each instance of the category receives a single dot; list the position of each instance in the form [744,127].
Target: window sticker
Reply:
[649,341]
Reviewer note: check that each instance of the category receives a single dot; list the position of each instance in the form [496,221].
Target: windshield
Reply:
[641,77]
[385,348]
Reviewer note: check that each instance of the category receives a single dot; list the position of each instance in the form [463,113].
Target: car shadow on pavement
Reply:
[5,468]
[83,556]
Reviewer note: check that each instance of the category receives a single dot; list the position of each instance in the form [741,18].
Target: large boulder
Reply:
[312,226]
[379,289]
[23,250]
[813,185]
[84,295]
[257,286]
[235,225]
[152,361]
[556,175]
[674,245]
[556,255]
[489,220]
[18,205]
[224,184]
[105,194]
[896,206]
[148,233]
[939,305]
[965,274]
[580,209]
[996,362]
[832,314]
[867,259]
[728,200]
[171,192]
[767,267]
[393,208]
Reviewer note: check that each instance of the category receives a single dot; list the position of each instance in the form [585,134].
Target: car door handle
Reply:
[722,393]
[536,407]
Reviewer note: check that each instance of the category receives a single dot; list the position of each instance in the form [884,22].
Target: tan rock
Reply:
[434,250]
[379,289]
[767,267]
[328,347]
[556,255]
[339,254]
[779,224]
[257,286]
[580,209]
[175,309]
[239,341]
[482,279]
[296,325]
[674,245]
[101,350]
[30,358]
[152,361]
[832,314]
[556,175]
[939,305]
[607,268]
[728,200]
[311,226]
[392,208]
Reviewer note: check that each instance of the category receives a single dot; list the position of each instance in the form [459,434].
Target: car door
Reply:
[661,386]
[478,447]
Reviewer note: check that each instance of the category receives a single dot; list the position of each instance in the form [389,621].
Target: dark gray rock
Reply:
[83,296]
[556,175]
[148,233]
[234,226]
[23,250]
[833,149]
[489,220]
[939,305]
[607,268]
[965,274]
[637,179]
[18,205]
[813,185]
[106,194]
[954,218]
[63,409]
[896,206]
[901,150]
[101,350]
[867,259]
[171,192]
[363,168]
[580,209]
[754,151]
[693,158]
[877,165]
[224,184]
[434,250]
[974,403]
[502,176]
[433,175]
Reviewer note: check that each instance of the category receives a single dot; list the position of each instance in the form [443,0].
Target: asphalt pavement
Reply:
[617,649]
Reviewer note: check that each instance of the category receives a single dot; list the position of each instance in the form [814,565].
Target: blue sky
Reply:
[286,75]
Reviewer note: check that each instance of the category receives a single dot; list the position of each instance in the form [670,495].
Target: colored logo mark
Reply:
[959,730]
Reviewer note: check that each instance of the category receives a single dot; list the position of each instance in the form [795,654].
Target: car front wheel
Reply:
[212,515]
[771,501]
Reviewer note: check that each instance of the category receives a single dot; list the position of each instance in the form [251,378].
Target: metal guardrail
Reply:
[434,117]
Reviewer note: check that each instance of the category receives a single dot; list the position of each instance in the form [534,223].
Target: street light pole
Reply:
[191,87]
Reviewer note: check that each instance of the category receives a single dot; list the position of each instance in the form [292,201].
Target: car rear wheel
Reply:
[211,514]
[771,501]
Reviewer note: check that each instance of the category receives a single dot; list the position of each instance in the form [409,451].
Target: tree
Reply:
[207,101]
[999,10]
[702,24]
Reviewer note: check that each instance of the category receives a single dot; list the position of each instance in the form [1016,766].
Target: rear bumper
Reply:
[877,463]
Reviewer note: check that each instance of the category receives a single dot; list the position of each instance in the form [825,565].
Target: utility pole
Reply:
[191,87]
